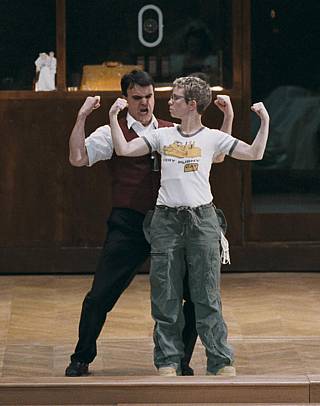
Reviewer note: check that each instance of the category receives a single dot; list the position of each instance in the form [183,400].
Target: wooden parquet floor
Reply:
[273,320]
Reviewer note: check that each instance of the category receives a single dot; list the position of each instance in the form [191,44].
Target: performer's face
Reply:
[141,103]
[178,105]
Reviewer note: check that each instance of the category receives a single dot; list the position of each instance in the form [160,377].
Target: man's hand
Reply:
[260,110]
[117,106]
[219,158]
[223,102]
[91,103]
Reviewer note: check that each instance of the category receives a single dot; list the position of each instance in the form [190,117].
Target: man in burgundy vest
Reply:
[135,186]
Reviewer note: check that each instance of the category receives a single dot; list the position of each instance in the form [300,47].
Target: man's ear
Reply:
[193,104]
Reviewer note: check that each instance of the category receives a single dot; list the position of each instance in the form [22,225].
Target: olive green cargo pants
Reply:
[189,237]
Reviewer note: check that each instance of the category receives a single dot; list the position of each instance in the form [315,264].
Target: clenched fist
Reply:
[223,102]
[260,110]
[91,103]
[117,106]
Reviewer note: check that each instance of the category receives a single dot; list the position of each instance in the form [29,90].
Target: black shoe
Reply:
[77,368]
[186,370]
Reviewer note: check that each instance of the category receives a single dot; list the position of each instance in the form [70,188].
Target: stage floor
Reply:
[273,320]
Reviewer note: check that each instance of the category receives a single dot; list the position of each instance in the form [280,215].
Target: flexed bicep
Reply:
[242,151]
[256,150]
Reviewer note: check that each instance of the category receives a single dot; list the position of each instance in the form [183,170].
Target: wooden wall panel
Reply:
[285,227]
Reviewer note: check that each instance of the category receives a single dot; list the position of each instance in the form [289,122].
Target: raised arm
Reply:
[77,150]
[136,147]
[256,150]
[223,103]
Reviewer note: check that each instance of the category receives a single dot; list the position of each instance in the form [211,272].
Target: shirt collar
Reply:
[133,122]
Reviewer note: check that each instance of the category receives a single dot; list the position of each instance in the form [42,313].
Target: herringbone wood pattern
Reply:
[273,320]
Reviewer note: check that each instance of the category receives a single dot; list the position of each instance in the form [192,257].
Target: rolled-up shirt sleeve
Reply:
[99,145]
[225,143]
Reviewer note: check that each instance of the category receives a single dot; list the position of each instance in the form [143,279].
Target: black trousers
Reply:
[124,250]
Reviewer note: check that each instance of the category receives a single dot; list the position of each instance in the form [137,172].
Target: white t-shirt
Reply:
[99,144]
[186,163]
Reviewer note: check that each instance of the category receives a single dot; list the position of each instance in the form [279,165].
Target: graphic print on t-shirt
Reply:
[182,150]
[193,167]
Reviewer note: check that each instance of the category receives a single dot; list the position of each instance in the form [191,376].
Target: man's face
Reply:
[141,103]
[178,106]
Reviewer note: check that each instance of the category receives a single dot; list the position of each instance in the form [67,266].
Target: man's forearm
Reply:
[256,150]
[118,139]
[227,123]
[77,149]
[259,144]
[226,128]
[137,146]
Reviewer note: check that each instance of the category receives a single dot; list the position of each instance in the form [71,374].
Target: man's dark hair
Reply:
[135,77]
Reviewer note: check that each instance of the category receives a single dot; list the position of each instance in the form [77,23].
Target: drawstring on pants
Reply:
[225,254]
[194,218]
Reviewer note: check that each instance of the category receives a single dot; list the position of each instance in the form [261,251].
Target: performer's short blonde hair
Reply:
[195,89]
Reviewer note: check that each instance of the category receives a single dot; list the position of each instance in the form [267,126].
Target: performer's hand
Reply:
[260,110]
[219,158]
[91,103]
[117,106]
[223,102]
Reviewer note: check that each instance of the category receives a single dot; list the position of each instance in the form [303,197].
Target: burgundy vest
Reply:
[134,184]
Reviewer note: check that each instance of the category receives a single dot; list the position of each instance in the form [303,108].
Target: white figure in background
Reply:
[46,70]
[53,69]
